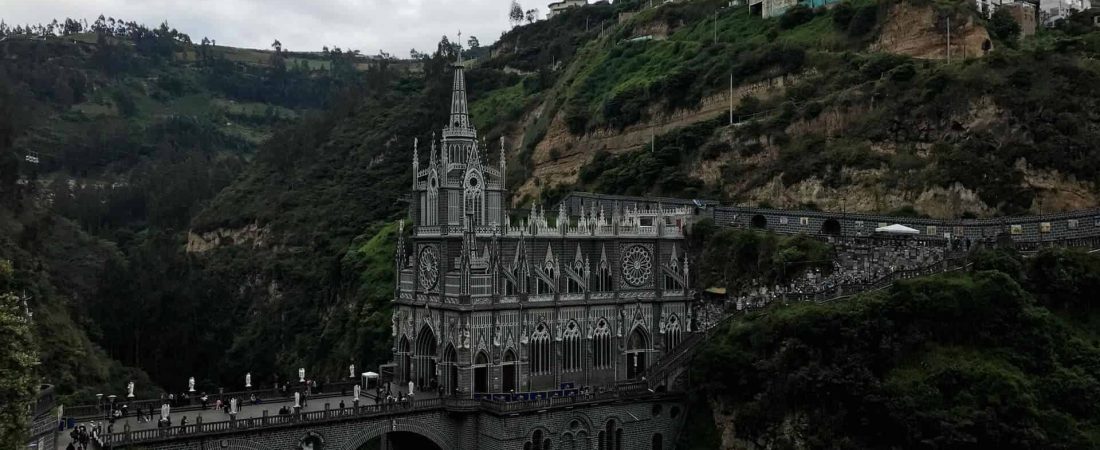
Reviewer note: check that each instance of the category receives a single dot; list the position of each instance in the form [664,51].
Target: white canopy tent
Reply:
[896,229]
[370,380]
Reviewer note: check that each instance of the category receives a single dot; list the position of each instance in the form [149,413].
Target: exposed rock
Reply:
[917,31]
[251,234]
[560,154]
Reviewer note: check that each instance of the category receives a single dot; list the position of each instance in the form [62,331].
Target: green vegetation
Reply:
[732,258]
[982,358]
[135,131]
[912,122]
[17,364]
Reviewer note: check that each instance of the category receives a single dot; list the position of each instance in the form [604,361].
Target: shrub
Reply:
[795,16]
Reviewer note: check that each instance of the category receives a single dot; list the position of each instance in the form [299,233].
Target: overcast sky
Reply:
[395,26]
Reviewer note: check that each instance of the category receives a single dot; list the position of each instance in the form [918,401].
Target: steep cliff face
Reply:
[924,32]
[558,157]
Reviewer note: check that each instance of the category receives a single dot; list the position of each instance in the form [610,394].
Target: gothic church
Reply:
[528,308]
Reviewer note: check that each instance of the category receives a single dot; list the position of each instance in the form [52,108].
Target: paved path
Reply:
[246,411]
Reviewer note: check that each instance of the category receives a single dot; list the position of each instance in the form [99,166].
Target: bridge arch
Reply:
[376,430]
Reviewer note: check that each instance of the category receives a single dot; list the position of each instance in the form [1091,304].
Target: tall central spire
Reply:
[460,116]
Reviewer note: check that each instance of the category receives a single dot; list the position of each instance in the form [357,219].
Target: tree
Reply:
[532,15]
[1004,26]
[473,43]
[18,358]
[515,16]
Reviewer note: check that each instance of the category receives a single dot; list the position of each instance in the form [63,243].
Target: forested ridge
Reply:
[112,137]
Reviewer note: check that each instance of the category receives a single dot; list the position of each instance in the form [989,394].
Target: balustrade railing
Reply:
[623,391]
[193,403]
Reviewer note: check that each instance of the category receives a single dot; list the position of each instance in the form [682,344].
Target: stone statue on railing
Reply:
[301,374]
[355,393]
[130,389]
[191,384]
[297,400]
[248,380]
[351,371]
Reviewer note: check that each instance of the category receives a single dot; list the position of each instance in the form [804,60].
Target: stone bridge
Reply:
[636,419]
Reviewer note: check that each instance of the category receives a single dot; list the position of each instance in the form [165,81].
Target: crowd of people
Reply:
[858,264]
[81,437]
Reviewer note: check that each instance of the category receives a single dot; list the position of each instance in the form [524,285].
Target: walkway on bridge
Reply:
[245,411]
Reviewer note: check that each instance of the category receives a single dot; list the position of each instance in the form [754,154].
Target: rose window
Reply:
[637,265]
[429,268]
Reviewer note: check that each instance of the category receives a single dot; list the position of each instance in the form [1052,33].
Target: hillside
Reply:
[111,139]
[851,108]
[1005,356]
[232,218]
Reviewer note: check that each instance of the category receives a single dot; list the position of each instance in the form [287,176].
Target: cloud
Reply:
[395,26]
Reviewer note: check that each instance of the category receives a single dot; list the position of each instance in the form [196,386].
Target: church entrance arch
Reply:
[508,371]
[637,345]
[404,358]
[481,373]
[425,359]
[450,368]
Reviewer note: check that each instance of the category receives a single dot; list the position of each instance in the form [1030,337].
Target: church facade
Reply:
[500,307]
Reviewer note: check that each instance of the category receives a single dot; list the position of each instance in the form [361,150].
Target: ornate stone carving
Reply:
[429,267]
[637,265]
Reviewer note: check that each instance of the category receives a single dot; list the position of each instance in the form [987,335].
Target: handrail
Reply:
[626,391]
[90,411]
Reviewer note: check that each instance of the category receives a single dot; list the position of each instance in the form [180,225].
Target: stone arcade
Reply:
[491,306]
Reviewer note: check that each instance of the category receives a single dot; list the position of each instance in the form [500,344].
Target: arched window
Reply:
[542,286]
[572,285]
[603,277]
[571,348]
[601,346]
[672,333]
[509,285]
[673,266]
[540,350]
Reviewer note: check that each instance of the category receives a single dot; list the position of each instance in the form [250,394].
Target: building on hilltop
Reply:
[534,308]
[1051,11]
[563,5]
[775,8]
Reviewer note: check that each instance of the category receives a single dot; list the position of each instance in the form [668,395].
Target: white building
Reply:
[1053,10]
[563,5]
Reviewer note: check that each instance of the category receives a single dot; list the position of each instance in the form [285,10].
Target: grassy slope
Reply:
[892,102]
